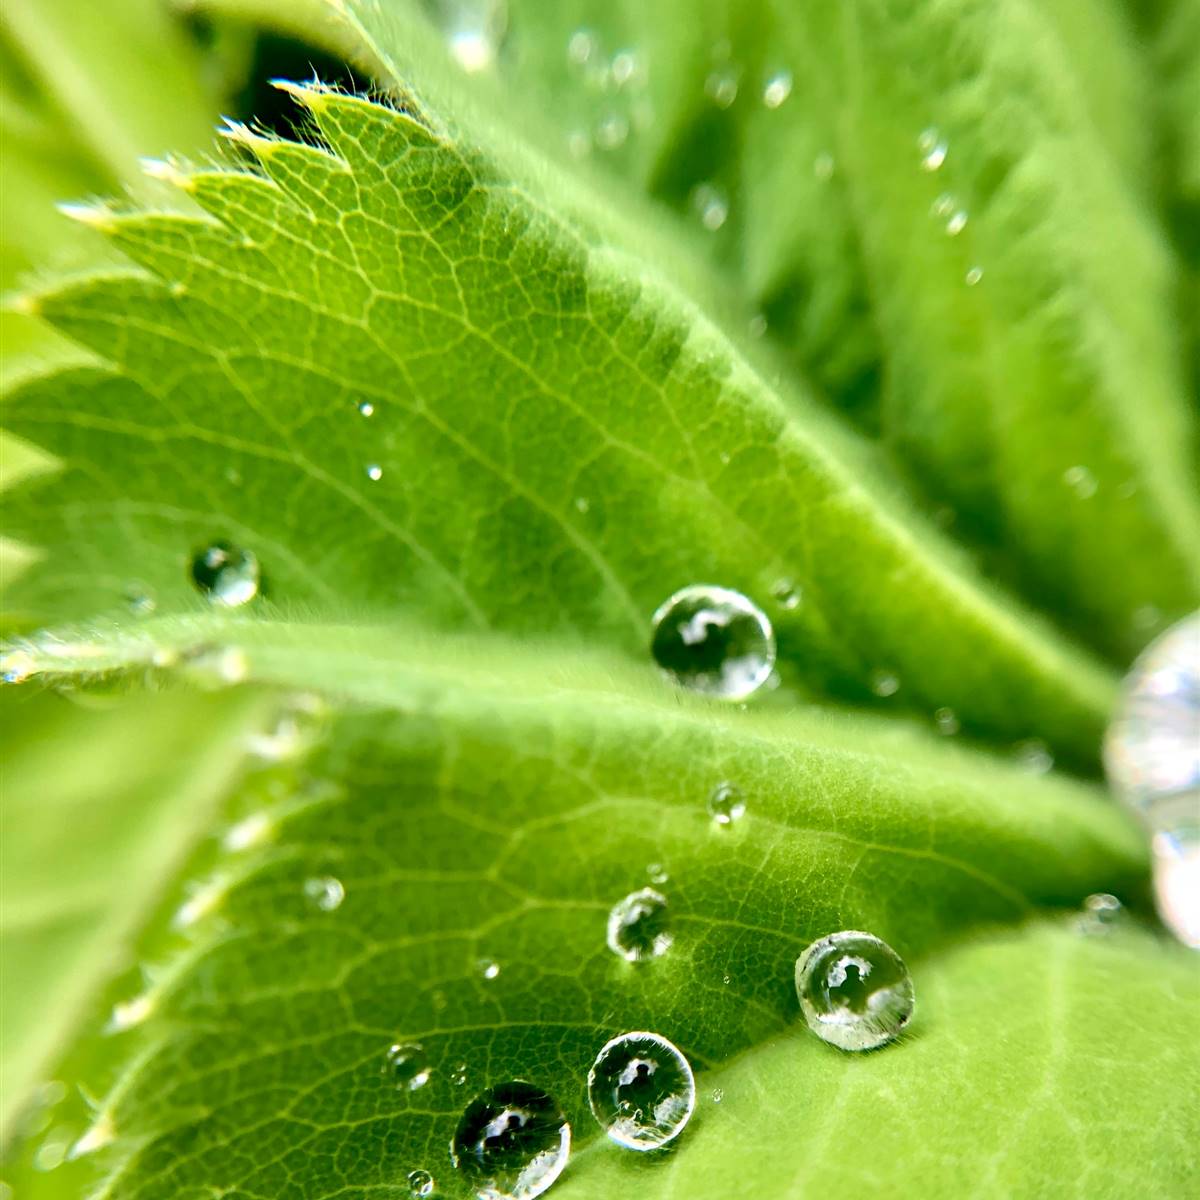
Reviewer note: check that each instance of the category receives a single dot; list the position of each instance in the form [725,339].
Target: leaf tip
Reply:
[94,216]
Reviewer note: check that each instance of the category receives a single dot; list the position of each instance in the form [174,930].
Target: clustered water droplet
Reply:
[726,804]
[854,989]
[714,640]
[1152,757]
[512,1142]
[227,575]
[637,926]
[641,1090]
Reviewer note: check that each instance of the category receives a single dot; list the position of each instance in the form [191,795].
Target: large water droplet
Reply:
[854,989]
[227,575]
[407,1065]
[512,1142]
[641,1090]
[637,926]
[1152,748]
[1176,861]
[420,1184]
[714,640]
[726,804]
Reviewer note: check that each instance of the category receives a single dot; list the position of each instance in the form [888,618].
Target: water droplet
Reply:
[710,205]
[714,640]
[757,328]
[582,504]
[947,721]
[823,166]
[226,575]
[1152,747]
[1101,911]
[473,29]
[956,222]
[1081,481]
[374,472]
[717,1096]
[726,979]
[458,1074]
[140,600]
[130,1013]
[787,593]
[407,1066]
[726,804]
[657,873]
[512,1142]
[367,409]
[582,46]
[1147,618]
[641,1090]
[973,276]
[932,148]
[637,926]
[1033,755]
[612,131]
[53,1151]
[721,86]
[420,1184]
[884,683]
[625,68]
[324,892]
[777,89]
[947,209]
[854,989]
[489,968]
[1176,869]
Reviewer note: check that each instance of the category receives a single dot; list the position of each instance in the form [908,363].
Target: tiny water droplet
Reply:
[324,892]
[713,640]
[579,143]
[657,873]
[458,1075]
[582,504]
[777,89]
[932,148]
[512,1142]
[612,131]
[489,968]
[973,276]
[226,575]
[854,989]
[1147,618]
[757,328]
[1033,755]
[637,926]
[823,166]
[1101,911]
[787,593]
[721,86]
[374,472]
[717,1096]
[53,1151]
[420,1184]
[1081,481]
[1152,746]
[710,205]
[140,600]
[1176,873]
[726,979]
[956,222]
[473,29]
[582,45]
[726,804]
[947,721]
[625,68]
[407,1066]
[884,683]
[367,408]
[641,1090]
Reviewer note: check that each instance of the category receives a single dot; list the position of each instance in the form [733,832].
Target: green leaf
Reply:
[536,394]
[478,800]
[1010,401]
[65,927]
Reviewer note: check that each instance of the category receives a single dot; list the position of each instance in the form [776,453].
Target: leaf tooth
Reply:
[98,215]
[165,170]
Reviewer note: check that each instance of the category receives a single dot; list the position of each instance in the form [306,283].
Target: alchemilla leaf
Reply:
[563,604]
